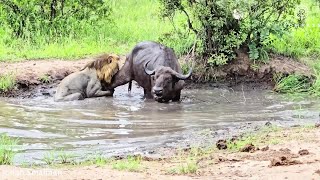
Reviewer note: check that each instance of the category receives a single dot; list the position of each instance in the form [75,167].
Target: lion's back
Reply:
[75,82]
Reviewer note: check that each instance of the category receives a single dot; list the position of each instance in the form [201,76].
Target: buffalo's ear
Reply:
[174,78]
[175,81]
[178,85]
[153,77]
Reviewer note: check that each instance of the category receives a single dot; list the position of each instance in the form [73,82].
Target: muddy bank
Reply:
[244,73]
[34,77]
[290,153]
[37,78]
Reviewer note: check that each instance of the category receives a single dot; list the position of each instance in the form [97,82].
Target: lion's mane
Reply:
[106,65]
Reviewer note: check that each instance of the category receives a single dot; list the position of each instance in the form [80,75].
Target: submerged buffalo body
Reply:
[155,68]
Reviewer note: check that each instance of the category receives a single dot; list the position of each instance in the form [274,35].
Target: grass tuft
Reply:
[292,84]
[7,82]
[99,160]
[64,157]
[49,158]
[189,167]
[129,164]
[255,138]
[7,152]
[45,79]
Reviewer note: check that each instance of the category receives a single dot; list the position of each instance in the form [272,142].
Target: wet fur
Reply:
[161,58]
[90,81]
[106,66]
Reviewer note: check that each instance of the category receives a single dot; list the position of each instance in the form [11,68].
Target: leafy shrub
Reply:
[54,17]
[223,26]
[302,40]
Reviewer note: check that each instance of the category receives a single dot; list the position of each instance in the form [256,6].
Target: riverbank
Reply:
[35,78]
[281,153]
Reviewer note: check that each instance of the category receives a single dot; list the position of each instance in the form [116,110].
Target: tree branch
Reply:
[188,20]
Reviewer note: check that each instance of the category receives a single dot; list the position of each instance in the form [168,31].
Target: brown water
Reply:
[127,123]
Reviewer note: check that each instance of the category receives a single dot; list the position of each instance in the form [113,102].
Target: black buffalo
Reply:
[155,68]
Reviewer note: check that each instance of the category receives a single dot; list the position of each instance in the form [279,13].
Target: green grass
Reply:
[255,138]
[45,79]
[99,160]
[65,157]
[315,89]
[49,158]
[7,152]
[56,157]
[60,158]
[188,167]
[7,82]
[188,160]
[133,21]
[128,164]
[303,41]
[292,84]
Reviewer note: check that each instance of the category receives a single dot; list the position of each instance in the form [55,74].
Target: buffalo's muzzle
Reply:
[158,92]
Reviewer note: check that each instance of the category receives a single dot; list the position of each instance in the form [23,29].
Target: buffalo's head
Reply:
[166,82]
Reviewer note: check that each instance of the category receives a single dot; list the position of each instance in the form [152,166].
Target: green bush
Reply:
[128,22]
[224,26]
[53,17]
[303,40]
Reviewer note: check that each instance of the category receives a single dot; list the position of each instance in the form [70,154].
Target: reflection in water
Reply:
[127,122]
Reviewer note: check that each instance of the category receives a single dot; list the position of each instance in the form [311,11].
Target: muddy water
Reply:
[127,123]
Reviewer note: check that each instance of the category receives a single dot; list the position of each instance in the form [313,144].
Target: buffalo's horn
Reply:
[181,76]
[149,72]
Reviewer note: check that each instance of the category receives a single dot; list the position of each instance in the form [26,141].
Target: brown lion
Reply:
[90,81]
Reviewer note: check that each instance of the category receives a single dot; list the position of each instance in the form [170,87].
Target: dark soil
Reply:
[243,74]
[221,144]
[248,148]
[303,152]
[266,148]
[283,161]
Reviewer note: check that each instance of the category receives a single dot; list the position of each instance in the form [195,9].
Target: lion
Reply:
[90,81]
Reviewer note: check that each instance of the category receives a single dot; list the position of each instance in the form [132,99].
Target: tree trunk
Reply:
[53,9]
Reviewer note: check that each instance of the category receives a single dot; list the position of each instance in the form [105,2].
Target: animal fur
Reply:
[156,69]
[106,66]
[90,81]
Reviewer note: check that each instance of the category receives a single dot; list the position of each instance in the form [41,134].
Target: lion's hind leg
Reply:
[71,97]
[101,93]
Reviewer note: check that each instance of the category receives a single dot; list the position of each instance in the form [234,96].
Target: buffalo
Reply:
[156,69]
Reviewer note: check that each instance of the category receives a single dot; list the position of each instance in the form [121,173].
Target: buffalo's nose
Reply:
[158,92]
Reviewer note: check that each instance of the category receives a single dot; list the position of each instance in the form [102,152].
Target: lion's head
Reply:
[106,65]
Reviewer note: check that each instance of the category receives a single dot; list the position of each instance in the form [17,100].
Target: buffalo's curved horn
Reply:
[182,76]
[147,71]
